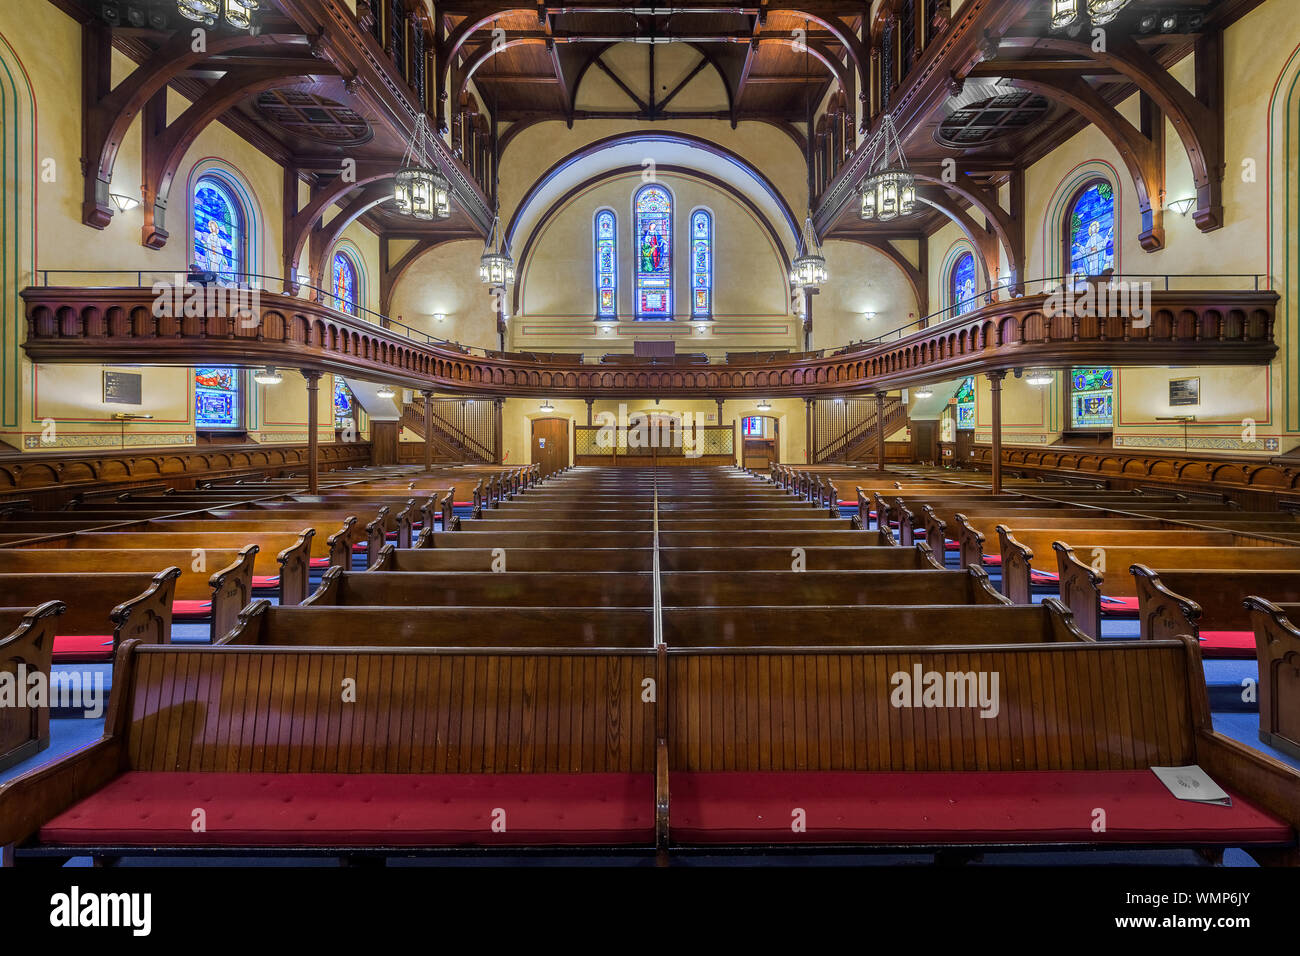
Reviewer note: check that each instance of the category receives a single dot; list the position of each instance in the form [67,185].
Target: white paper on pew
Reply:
[1192,783]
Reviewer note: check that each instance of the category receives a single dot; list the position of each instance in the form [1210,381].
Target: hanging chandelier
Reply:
[238,13]
[268,376]
[1039,377]
[808,270]
[1068,13]
[495,267]
[420,190]
[890,191]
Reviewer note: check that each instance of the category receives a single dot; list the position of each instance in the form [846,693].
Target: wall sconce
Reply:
[440,316]
[764,406]
[268,376]
[922,392]
[129,417]
[547,406]
[385,391]
[701,328]
[123,202]
[606,328]
[1039,377]
[1176,418]
[1181,206]
[869,315]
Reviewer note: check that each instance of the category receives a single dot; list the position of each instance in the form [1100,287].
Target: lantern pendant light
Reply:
[421,191]
[239,13]
[200,11]
[495,267]
[888,192]
[808,270]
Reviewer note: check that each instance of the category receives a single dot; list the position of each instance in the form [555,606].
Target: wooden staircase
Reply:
[460,433]
[846,431]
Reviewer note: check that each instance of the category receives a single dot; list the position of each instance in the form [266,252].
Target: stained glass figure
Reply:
[966,405]
[1091,226]
[1092,398]
[961,288]
[218,230]
[345,283]
[344,404]
[654,253]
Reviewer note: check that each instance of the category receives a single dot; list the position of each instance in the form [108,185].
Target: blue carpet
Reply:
[66,736]
[1245,728]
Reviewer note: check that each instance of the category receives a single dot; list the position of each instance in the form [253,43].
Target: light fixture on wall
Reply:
[130,417]
[123,202]
[869,315]
[808,271]
[495,267]
[1039,377]
[547,406]
[385,391]
[1182,206]
[440,316]
[421,191]
[606,328]
[764,405]
[888,192]
[923,392]
[268,376]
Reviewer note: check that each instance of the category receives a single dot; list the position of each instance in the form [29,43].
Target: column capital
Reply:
[311,375]
[995,377]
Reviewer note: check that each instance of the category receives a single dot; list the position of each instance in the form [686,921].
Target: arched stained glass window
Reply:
[217,399]
[345,405]
[219,230]
[653,207]
[966,405]
[1092,398]
[1090,230]
[701,264]
[606,227]
[344,283]
[961,284]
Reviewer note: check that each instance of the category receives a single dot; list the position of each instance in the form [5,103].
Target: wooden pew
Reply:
[1077,726]
[514,559]
[1277,645]
[103,610]
[849,588]
[26,649]
[280,563]
[435,731]
[334,551]
[479,588]
[1216,614]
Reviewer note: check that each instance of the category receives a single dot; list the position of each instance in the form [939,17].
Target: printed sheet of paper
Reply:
[1192,783]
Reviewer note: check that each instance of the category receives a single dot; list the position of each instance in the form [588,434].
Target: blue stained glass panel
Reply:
[218,230]
[1091,227]
[1092,398]
[345,284]
[961,290]
[606,265]
[344,404]
[701,264]
[216,398]
[966,405]
[654,253]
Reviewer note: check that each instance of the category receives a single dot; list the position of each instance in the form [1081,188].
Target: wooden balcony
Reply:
[91,325]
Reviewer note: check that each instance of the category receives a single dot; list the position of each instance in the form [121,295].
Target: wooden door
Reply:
[550,444]
[925,441]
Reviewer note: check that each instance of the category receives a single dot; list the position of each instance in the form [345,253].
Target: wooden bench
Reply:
[848,588]
[334,551]
[1277,645]
[102,610]
[814,751]
[26,650]
[485,588]
[1217,614]
[437,750]
[514,559]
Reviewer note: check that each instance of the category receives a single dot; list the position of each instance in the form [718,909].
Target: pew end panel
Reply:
[1080,589]
[1277,647]
[376,531]
[148,617]
[385,560]
[1162,613]
[970,542]
[295,568]
[906,524]
[341,541]
[249,626]
[928,558]
[327,591]
[1017,563]
[232,589]
[26,649]
[936,531]
[884,521]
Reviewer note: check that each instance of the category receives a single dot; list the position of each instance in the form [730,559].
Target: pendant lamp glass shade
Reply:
[808,270]
[888,190]
[200,11]
[419,190]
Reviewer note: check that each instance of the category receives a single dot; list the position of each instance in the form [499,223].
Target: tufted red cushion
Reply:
[191,610]
[1127,606]
[83,648]
[265,582]
[320,562]
[356,809]
[937,808]
[1228,644]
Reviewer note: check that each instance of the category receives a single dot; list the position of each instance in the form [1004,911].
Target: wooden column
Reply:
[995,392]
[497,404]
[809,435]
[428,431]
[880,430]
[313,446]
[590,402]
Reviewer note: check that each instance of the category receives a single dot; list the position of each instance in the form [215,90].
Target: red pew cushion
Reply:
[83,648]
[971,807]
[992,559]
[1119,606]
[358,809]
[1227,643]
[1043,577]
[264,582]
[951,545]
[191,610]
[320,562]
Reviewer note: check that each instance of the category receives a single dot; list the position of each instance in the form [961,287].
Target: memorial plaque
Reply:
[122,388]
[1184,391]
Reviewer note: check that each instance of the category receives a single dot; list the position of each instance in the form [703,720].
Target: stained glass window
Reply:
[701,264]
[1092,398]
[216,398]
[1091,230]
[218,230]
[961,284]
[966,405]
[344,404]
[754,426]
[344,284]
[606,265]
[654,253]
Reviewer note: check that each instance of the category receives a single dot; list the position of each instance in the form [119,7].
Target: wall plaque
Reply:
[122,388]
[1184,391]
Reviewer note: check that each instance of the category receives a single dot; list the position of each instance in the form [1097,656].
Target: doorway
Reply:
[760,438]
[550,444]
